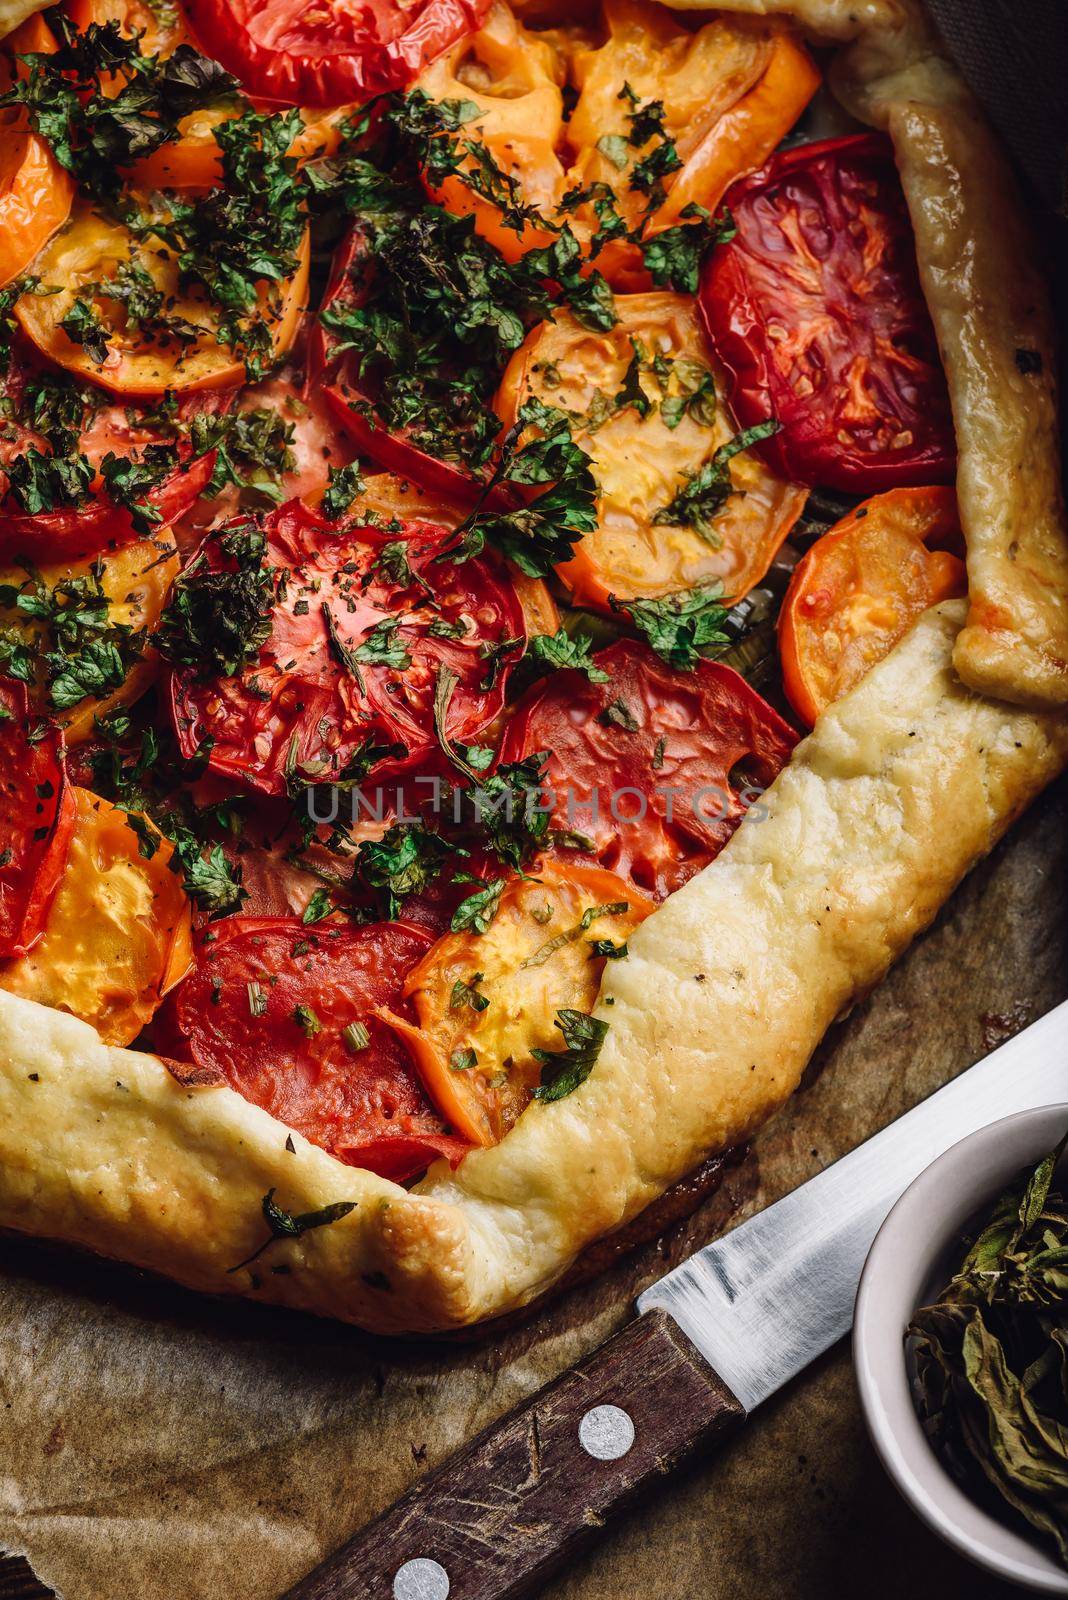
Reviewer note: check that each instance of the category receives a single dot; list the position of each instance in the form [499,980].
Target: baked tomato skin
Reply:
[117,934]
[314,694]
[327,54]
[862,586]
[36,819]
[535,958]
[642,452]
[655,768]
[387,495]
[267,1006]
[815,310]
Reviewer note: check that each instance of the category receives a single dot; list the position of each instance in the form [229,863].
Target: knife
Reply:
[711,1340]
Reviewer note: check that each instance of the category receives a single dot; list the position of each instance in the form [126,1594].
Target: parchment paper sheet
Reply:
[156,1446]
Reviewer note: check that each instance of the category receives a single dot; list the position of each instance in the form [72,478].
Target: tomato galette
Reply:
[532,563]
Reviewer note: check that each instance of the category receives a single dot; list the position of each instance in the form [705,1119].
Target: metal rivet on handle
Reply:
[606,1432]
[421,1579]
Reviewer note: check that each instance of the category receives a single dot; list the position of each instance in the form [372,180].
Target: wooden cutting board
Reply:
[798,1506]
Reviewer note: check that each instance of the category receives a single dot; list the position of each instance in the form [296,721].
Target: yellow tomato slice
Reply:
[136,580]
[535,958]
[642,462]
[90,250]
[862,586]
[117,935]
[514,76]
[730,91]
[35,191]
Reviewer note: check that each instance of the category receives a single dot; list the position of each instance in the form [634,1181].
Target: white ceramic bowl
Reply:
[913,1256]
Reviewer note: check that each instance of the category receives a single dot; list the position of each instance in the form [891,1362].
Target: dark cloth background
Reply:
[1014,54]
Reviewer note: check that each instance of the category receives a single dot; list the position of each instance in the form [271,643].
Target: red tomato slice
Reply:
[298,707]
[267,1006]
[36,820]
[815,309]
[657,768]
[351,399]
[331,51]
[72,533]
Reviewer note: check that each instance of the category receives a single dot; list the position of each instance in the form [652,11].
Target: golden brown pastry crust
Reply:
[729,986]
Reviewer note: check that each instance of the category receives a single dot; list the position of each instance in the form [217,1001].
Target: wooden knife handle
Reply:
[532,1491]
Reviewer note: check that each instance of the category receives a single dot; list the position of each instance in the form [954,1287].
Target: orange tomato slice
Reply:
[730,90]
[117,935]
[514,77]
[136,580]
[535,957]
[641,462]
[862,586]
[90,250]
[35,191]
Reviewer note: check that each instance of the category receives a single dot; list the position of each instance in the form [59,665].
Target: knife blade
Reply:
[771,1296]
[712,1339]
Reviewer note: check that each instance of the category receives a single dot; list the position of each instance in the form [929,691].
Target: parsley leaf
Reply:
[40,481]
[403,862]
[220,617]
[561,649]
[344,485]
[382,648]
[563,1070]
[541,532]
[679,626]
[479,909]
[465,992]
[673,257]
[318,907]
[704,494]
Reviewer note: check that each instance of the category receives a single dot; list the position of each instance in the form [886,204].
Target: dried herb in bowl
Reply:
[990,1359]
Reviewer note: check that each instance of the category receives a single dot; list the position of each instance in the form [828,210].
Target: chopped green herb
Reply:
[617,714]
[479,909]
[679,626]
[356,1037]
[318,907]
[561,649]
[465,992]
[283,1225]
[306,1020]
[562,1071]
